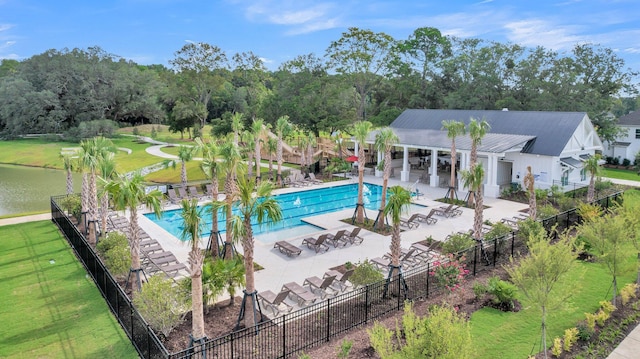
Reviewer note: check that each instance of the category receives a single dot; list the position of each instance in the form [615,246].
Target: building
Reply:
[554,144]
[628,144]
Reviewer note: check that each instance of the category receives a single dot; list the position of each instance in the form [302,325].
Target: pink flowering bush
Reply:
[450,273]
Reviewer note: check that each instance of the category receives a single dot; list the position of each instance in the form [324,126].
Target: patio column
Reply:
[491,189]
[433,169]
[464,164]
[404,175]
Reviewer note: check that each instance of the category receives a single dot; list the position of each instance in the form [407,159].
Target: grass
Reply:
[163,134]
[40,153]
[620,174]
[516,335]
[50,309]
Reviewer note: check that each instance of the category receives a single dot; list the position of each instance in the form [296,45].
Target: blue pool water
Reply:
[295,206]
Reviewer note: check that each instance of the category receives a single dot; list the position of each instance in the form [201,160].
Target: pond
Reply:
[27,189]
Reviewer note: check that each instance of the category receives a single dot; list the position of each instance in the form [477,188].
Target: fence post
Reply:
[428,271]
[475,258]
[328,319]
[495,250]
[284,336]
[513,242]
[366,303]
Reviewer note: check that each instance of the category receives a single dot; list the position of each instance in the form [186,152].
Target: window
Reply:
[583,174]
[638,133]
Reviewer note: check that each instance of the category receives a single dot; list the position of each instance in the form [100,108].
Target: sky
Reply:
[151,31]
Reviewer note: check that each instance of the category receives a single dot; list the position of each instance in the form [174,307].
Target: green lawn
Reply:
[50,308]
[513,335]
[620,174]
[40,153]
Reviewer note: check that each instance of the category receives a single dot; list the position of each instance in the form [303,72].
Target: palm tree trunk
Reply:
[247,246]
[104,211]
[591,192]
[69,182]
[395,248]
[183,174]
[84,200]
[385,185]
[134,246]
[454,160]
[229,192]
[258,158]
[279,160]
[197,309]
[478,214]
[360,208]
[93,208]
[250,165]
[215,249]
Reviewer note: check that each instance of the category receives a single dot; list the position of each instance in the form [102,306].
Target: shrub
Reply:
[602,185]
[154,133]
[555,192]
[615,161]
[345,348]
[566,203]
[443,333]
[607,307]
[73,205]
[626,162]
[479,289]
[588,211]
[365,273]
[503,292]
[136,131]
[161,303]
[601,317]
[556,349]
[584,331]
[106,128]
[591,320]
[541,194]
[570,338]
[628,292]
[449,274]
[547,211]
[457,242]
[114,249]
[528,228]
[498,230]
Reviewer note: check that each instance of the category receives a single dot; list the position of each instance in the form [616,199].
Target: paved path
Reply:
[25,219]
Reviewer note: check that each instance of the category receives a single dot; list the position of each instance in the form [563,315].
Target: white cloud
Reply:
[536,32]
[300,16]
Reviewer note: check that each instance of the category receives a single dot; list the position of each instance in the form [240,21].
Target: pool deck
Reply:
[280,269]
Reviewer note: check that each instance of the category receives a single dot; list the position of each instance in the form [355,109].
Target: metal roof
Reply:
[571,162]
[491,142]
[630,119]
[549,132]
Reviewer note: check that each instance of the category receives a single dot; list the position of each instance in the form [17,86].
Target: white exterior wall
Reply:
[541,167]
[622,152]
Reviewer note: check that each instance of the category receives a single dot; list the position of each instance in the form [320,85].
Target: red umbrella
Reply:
[352,159]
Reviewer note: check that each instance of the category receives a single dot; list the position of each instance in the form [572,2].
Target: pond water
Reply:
[27,189]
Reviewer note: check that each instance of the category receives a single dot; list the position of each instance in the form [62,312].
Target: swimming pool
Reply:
[295,206]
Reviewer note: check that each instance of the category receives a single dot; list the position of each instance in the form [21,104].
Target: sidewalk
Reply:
[629,348]
[25,219]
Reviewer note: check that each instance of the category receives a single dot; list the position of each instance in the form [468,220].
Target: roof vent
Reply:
[505,109]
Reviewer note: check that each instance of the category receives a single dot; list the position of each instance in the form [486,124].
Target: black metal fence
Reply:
[141,335]
[310,326]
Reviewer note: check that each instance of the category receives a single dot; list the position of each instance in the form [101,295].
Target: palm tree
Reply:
[258,129]
[473,179]
[477,130]
[254,201]
[529,183]
[248,149]
[592,166]
[454,129]
[283,128]
[399,201]
[192,232]
[210,167]
[385,140]
[231,166]
[272,149]
[361,132]
[70,164]
[185,154]
[91,153]
[236,126]
[107,172]
[311,144]
[303,142]
[129,194]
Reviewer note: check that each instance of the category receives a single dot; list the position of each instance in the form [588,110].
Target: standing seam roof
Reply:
[552,130]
